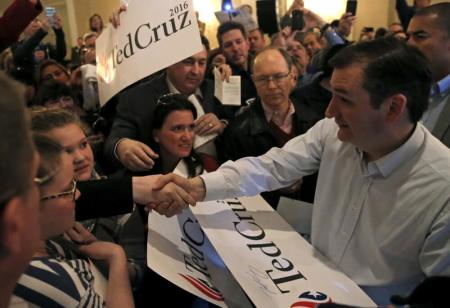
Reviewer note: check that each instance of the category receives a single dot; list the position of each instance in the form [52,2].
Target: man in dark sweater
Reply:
[272,119]
[234,44]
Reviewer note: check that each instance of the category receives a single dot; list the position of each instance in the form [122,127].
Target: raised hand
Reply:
[225,71]
[208,124]
[114,19]
[312,20]
[135,155]
[57,22]
[296,5]
[346,23]
[44,24]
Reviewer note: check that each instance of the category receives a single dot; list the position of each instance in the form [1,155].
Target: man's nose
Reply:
[271,84]
[187,135]
[195,68]
[330,112]
[77,156]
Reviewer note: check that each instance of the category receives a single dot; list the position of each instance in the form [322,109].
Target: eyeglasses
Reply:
[68,193]
[277,79]
[167,99]
[37,180]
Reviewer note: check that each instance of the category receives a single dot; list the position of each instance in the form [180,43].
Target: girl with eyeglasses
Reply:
[60,273]
[126,230]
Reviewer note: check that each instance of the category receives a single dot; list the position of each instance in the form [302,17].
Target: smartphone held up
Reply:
[351,7]
[297,20]
[50,12]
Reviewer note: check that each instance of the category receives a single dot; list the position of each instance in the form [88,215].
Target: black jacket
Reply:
[314,96]
[104,198]
[23,51]
[249,135]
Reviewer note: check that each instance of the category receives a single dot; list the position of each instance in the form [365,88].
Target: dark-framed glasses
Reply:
[37,181]
[70,193]
[277,78]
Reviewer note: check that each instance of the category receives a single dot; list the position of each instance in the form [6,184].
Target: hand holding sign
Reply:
[148,40]
[114,19]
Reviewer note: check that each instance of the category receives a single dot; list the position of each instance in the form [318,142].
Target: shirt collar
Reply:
[387,164]
[270,113]
[441,86]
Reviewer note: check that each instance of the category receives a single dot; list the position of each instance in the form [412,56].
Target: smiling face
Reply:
[58,214]
[74,141]
[176,135]
[359,123]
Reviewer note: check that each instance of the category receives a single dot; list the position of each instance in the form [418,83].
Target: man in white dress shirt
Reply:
[382,204]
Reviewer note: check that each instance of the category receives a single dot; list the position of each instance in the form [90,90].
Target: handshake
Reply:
[167,194]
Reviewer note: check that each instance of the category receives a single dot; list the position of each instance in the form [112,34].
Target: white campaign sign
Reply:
[152,35]
[178,250]
[273,264]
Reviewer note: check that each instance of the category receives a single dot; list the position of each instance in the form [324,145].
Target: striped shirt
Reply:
[61,279]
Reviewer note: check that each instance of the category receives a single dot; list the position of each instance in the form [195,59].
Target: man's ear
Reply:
[292,79]
[11,226]
[396,106]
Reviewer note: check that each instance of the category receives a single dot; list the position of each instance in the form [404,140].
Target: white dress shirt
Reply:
[385,223]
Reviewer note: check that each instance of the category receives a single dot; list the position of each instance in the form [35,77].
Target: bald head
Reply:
[270,52]
[273,78]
